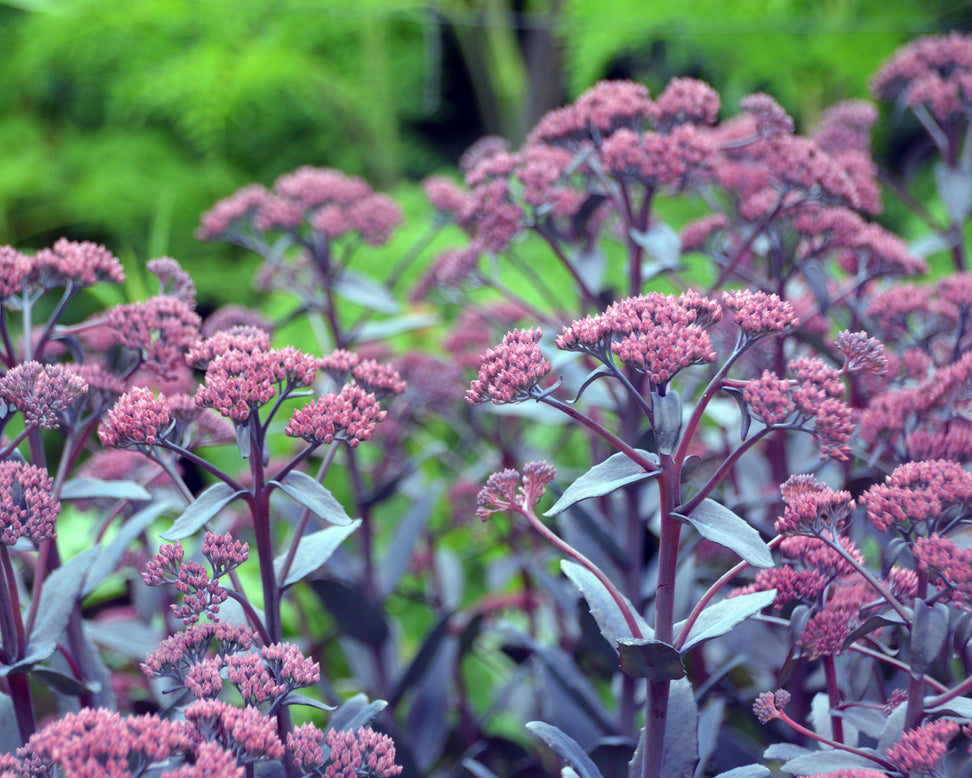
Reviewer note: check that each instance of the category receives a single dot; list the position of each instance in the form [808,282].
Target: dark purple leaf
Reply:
[423,659]
[85,488]
[111,555]
[650,659]
[355,616]
[748,771]
[828,762]
[314,550]
[603,607]
[310,702]
[202,509]
[407,532]
[927,636]
[314,496]
[681,751]
[667,425]
[718,619]
[355,713]
[611,474]
[566,747]
[717,523]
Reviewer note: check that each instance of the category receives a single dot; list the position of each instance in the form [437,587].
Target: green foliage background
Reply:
[122,122]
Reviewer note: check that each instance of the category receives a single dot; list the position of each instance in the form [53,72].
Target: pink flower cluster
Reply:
[238,382]
[28,507]
[362,752]
[200,593]
[179,652]
[812,507]
[507,490]
[245,732]
[933,73]
[333,204]
[78,264]
[99,742]
[350,415]
[921,749]
[244,338]
[656,334]
[818,395]
[161,330]
[138,419]
[948,567]
[510,371]
[917,492]
[42,393]
[758,314]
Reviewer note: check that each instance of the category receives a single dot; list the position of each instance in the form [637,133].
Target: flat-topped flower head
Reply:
[658,335]
[28,507]
[211,761]
[506,490]
[237,382]
[350,415]
[224,552]
[758,313]
[790,584]
[245,338]
[769,116]
[812,507]
[361,752]
[15,268]
[862,353]
[42,392]
[600,111]
[846,126]
[921,749]
[685,100]
[510,371]
[245,732]
[175,281]
[138,419]
[918,492]
[76,263]
[768,398]
[161,330]
[378,379]
[229,213]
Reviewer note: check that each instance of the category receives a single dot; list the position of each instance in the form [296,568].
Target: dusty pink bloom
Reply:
[897,697]
[350,415]
[245,732]
[948,567]
[919,750]
[484,148]
[304,745]
[846,126]
[814,553]
[137,419]
[379,379]
[212,761]
[856,772]
[42,392]
[863,174]
[231,211]
[203,678]
[816,381]
[279,213]
[15,268]
[224,552]
[770,117]
[697,234]
[510,371]
[175,281]
[609,105]
[769,705]
[313,187]
[811,507]
[160,329]
[339,364]
[375,218]
[917,492]
[28,507]
[657,336]
[248,673]
[825,633]
[862,354]
[288,665]
[496,219]
[179,652]
[790,584]
[237,338]
[800,163]
[79,264]
[446,196]
[685,100]
[99,742]
[237,383]
[877,251]
[507,491]
[362,752]
[452,269]
[757,313]
[768,398]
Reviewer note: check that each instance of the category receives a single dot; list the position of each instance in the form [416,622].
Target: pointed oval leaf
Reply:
[667,426]
[828,762]
[306,491]
[718,619]
[386,328]
[366,292]
[603,608]
[680,755]
[662,243]
[355,713]
[960,706]
[61,589]
[477,769]
[202,509]
[651,659]
[566,747]
[314,550]
[717,523]
[85,488]
[310,702]
[64,683]
[748,771]
[423,659]
[614,472]
[927,636]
